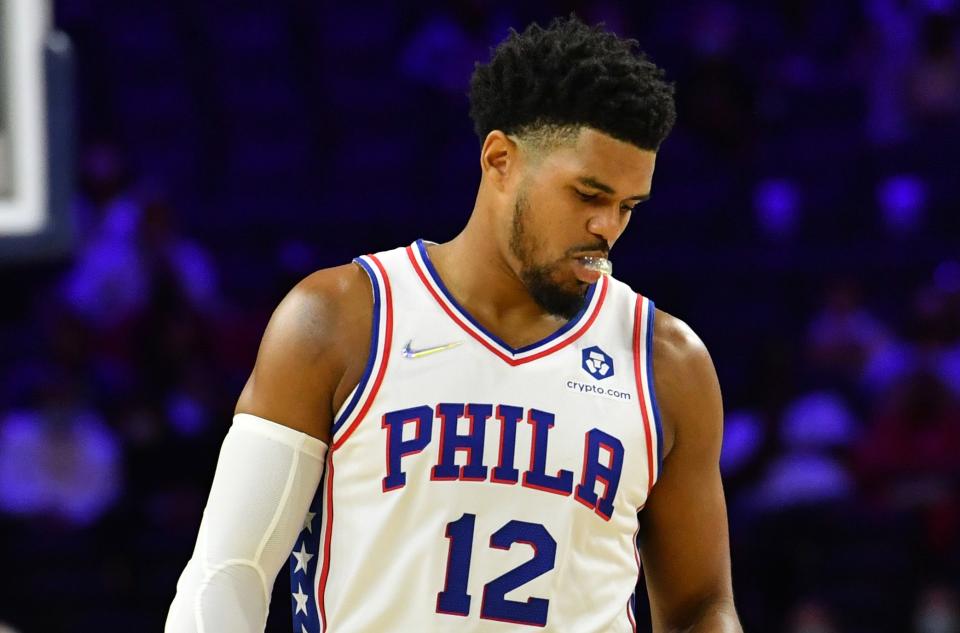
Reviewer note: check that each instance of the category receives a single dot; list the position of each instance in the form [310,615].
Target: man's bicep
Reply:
[684,540]
[301,359]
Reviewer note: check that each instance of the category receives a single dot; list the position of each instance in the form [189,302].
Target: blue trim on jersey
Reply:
[374,345]
[304,580]
[653,395]
[566,326]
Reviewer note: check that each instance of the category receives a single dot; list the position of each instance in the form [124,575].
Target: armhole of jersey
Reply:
[364,389]
[643,369]
[658,426]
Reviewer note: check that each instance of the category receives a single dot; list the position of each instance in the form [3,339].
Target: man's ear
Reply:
[499,159]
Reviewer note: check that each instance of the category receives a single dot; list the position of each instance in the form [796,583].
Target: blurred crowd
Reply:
[805,223]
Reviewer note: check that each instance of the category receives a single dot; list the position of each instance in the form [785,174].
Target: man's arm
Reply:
[273,456]
[683,532]
[308,358]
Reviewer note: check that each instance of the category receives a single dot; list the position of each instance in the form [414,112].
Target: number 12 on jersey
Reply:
[454,598]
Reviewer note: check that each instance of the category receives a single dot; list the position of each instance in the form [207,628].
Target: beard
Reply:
[539,279]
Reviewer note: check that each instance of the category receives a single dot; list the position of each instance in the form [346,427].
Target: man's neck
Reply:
[483,283]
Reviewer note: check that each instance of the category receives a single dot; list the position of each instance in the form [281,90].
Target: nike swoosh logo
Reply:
[409,352]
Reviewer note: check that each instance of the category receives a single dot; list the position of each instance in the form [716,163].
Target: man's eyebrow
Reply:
[593,183]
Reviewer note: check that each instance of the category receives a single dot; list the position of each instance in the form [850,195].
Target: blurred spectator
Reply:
[910,448]
[844,336]
[59,460]
[934,81]
[134,247]
[187,263]
[719,94]
[815,431]
[914,63]
[109,282]
[103,179]
[892,30]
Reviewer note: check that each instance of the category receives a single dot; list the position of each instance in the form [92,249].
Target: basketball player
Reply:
[473,436]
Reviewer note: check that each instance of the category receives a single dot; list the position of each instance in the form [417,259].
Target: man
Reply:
[520,417]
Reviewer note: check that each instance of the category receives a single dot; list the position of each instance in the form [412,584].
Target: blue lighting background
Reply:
[805,221]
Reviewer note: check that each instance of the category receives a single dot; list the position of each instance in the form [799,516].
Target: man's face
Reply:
[574,202]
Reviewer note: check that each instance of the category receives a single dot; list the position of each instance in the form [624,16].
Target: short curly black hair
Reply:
[571,75]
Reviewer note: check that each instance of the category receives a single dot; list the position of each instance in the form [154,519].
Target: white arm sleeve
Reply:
[266,477]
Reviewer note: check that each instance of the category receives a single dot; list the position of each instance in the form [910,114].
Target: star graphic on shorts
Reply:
[302,558]
[308,522]
[301,599]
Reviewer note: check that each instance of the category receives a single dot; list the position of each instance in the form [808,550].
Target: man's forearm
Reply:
[265,479]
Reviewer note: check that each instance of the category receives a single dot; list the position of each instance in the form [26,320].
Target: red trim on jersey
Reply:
[637,323]
[384,357]
[328,533]
[513,362]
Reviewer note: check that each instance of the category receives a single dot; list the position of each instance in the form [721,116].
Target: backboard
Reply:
[35,113]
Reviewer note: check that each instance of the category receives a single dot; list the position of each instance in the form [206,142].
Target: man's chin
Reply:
[561,302]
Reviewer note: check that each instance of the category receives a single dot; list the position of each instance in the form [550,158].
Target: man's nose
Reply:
[607,223]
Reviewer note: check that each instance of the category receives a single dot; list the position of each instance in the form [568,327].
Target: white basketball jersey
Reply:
[473,487]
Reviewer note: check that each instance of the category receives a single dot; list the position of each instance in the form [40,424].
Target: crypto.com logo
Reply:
[597,363]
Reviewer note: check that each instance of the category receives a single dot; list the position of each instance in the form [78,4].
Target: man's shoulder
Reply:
[308,354]
[332,288]
[348,287]
[675,342]
[328,309]
[684,375]
[332,294]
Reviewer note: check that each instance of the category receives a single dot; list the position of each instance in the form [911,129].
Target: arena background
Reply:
[805,222]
